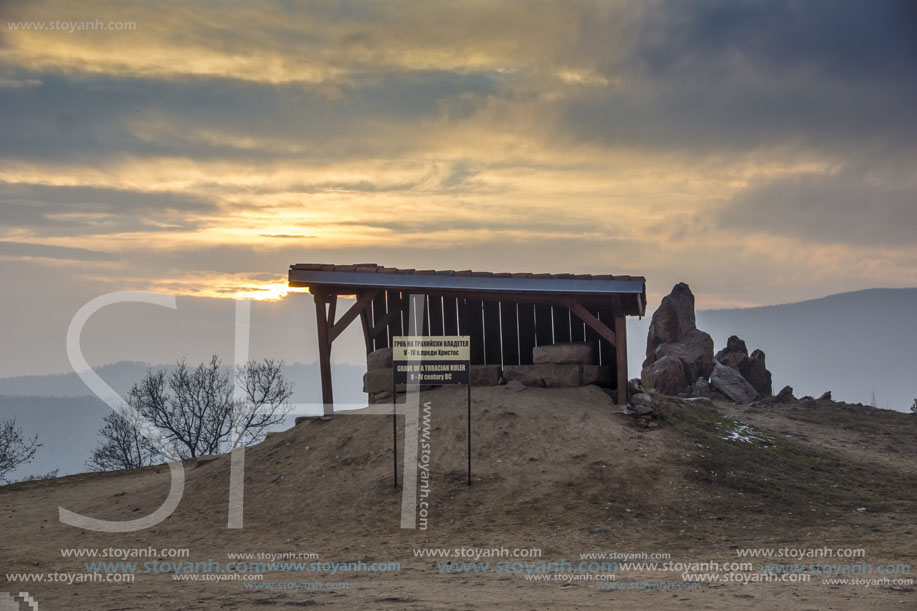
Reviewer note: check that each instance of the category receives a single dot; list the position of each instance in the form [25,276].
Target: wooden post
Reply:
[324,352]
[364,322]
[621,354]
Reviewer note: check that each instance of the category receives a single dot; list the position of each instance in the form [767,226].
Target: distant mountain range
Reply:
[348,380]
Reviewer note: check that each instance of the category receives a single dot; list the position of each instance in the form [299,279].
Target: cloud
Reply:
[736,77]
[209,145]
[858,40]
[272,42]
[856,205]
[62,210]
[44,251]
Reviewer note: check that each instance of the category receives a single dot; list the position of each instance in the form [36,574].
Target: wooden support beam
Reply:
[621,353]
[364,322]
[362,301]
[324,353]
[587,317]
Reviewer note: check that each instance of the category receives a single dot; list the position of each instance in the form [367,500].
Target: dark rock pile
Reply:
[680,360]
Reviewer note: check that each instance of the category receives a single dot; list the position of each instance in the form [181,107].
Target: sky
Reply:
[763,152]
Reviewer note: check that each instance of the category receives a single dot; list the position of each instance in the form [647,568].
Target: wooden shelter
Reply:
[506,314]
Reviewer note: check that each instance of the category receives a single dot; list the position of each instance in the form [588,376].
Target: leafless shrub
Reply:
[15,450]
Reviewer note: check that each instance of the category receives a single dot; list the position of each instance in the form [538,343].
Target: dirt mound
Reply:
[556,469]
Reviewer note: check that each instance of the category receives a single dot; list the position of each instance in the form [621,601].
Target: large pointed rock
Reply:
[731,383]
[673,334]
[672,320]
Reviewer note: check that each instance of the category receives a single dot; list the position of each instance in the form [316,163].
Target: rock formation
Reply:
[730,382]
[677,352]
[752,368]
[757,374]
[680,360]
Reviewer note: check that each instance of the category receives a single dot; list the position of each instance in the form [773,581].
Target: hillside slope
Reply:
[554,469]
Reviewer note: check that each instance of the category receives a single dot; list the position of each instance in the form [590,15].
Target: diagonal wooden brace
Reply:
[586,316]
[354,311]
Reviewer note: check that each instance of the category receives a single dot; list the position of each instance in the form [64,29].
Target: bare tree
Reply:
[192,407]
[122,445]
[264,400]
[200,411]
[15,450]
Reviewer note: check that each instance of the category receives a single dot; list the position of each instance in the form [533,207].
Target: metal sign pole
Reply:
[469,427]
[394,435]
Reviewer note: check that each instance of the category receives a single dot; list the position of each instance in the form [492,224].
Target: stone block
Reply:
[564,353]
[550,375]
[485,375]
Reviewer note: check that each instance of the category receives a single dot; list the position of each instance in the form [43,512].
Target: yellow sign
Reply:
[419,359]
[422,348]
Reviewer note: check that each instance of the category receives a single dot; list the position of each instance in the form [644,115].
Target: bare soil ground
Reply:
[555,469]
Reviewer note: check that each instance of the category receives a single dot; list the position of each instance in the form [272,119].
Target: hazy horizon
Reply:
[811,345]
